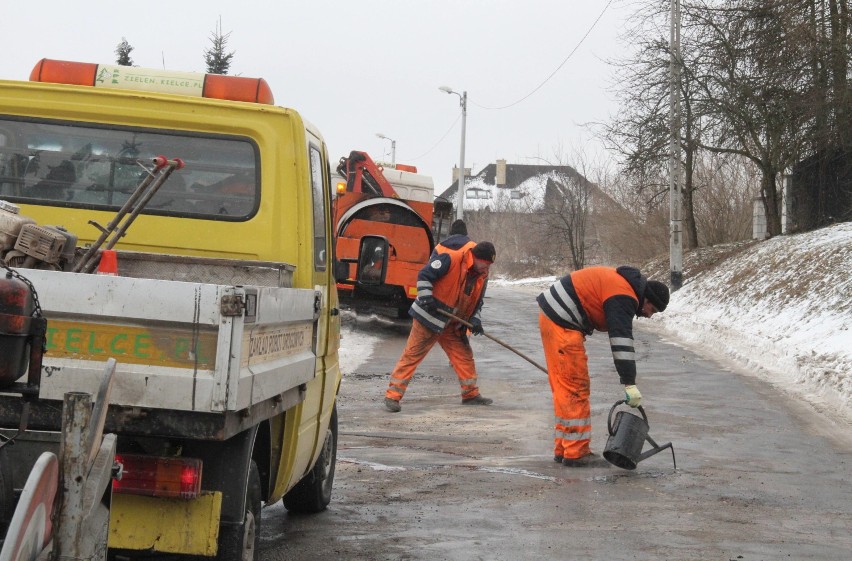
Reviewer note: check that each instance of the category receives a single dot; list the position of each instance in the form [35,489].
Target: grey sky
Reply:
[355,69]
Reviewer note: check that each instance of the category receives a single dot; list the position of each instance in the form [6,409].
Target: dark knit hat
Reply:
[484,250]
[458,227]
[657,294]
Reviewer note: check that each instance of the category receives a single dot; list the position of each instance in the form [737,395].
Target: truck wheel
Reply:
[240,542]
[313,493]
[7,493]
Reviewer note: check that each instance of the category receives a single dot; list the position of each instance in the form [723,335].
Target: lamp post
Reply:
[393,146]
[460,198]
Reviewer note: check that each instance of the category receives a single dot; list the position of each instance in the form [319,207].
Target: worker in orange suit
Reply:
[454,280]
[572,308]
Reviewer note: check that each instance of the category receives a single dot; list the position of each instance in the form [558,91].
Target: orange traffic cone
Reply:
[108,264]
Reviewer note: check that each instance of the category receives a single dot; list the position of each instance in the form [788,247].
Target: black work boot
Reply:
[589,460]
[392,405]
[478,400]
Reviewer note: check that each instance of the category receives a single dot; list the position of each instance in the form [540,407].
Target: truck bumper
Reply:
[165,525]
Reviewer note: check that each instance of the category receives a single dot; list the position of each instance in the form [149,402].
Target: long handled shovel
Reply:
[496,340]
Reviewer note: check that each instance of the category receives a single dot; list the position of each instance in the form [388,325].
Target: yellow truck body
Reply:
[251,392]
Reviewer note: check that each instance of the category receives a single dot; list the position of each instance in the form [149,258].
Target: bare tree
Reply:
[566,214]
[217,59]
[640,132]
[564,202]
[726,187]
[766,80]
[122,53]
[756,82]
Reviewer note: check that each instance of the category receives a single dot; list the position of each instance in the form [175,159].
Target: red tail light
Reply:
[158,476]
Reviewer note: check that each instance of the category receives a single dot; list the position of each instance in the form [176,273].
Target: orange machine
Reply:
[381,239]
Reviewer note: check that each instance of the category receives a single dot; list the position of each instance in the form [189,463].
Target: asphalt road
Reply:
[759,477]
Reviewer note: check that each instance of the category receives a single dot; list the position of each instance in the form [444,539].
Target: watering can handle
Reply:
[612,409]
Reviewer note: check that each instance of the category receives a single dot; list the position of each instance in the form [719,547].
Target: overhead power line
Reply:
[558,68]
[427,152]
[552,74]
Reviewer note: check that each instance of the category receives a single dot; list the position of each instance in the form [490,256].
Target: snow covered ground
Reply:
[780,310]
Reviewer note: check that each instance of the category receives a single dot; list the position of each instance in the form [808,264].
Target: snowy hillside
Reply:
[782,308]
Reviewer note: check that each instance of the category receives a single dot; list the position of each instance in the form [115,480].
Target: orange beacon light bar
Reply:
[215,86]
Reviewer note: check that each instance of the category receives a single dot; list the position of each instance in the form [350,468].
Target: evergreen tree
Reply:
[218,61]
[122,53]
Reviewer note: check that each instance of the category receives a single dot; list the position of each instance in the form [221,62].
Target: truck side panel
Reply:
[177,350]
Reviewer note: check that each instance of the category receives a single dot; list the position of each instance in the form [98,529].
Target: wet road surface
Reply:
[759,477]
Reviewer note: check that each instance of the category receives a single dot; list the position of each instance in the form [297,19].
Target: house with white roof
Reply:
[498,197]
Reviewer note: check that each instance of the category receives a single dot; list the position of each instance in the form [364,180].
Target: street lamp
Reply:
[393,146]
[463,102]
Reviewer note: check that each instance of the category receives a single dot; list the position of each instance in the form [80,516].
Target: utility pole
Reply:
[460,197]
[460,208]
[675,175]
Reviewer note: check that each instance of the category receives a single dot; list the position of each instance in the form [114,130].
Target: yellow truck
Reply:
[222,314]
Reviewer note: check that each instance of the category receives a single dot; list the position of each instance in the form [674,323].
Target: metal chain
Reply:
[26,281]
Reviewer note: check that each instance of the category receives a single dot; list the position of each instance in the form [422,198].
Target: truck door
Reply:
[329,323]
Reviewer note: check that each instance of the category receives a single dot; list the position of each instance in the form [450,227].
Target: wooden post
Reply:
[86,460]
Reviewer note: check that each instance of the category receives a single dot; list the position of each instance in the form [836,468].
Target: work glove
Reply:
[427,302]
[632,396]
[476,326]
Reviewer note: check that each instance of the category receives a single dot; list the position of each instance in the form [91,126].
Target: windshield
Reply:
[68,164]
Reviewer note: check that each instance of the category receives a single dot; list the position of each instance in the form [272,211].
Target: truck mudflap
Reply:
[165,525]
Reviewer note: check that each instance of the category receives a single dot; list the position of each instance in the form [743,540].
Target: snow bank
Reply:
[781,308]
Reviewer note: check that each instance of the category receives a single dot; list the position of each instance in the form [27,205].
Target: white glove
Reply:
[632,396]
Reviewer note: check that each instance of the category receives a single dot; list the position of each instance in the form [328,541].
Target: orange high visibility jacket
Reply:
[603,299]
[446,278]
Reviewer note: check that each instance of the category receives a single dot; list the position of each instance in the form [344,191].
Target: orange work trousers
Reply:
[420,342]
[568,371]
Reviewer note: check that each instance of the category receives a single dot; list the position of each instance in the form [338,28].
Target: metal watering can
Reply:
[626,438]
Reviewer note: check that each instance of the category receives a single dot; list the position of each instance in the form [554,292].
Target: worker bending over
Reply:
[595,298]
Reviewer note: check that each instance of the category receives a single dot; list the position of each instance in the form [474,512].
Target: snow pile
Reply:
[782,308]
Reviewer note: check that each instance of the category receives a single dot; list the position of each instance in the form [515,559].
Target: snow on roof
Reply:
[526,197]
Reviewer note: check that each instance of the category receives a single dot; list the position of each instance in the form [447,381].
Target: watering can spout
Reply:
[656,449]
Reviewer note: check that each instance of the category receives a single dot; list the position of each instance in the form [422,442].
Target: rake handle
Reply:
[496,340]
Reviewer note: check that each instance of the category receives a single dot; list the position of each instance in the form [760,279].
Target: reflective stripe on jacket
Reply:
[603,299]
